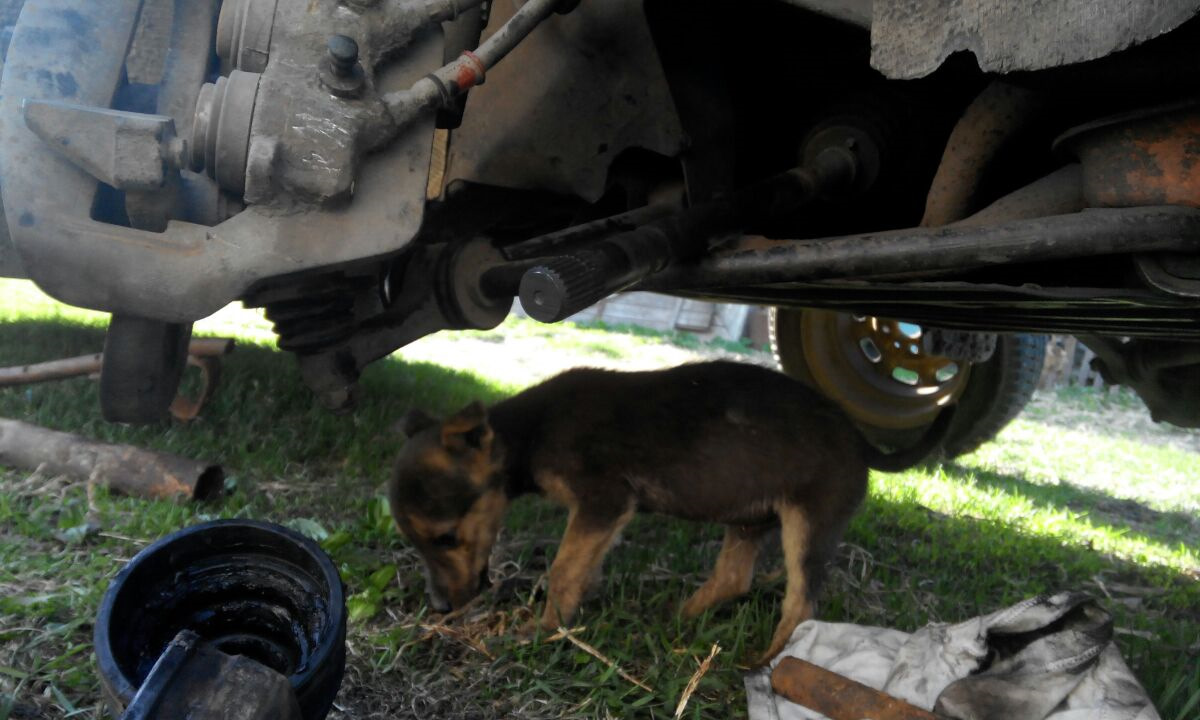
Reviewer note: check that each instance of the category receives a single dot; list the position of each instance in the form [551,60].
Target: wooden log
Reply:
[122,468]
[838,697]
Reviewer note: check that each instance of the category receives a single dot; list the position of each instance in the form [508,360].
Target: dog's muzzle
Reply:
[436,601]
[439,603]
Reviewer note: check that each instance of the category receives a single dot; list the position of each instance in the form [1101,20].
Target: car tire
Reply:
[821,349]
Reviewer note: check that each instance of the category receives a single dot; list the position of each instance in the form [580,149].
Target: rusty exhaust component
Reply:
[1059,193]
[838,697]
[122,468]
[996,115]
[1147,157]
[203,354]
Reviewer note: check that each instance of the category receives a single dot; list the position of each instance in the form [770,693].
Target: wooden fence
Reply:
[1068,362]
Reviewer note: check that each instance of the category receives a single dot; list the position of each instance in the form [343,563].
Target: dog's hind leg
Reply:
[733,572]
[796,536]
[580,555]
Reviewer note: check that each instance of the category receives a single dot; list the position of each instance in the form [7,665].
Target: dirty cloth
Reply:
[1047,658]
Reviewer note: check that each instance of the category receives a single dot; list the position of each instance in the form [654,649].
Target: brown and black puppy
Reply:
[716,442]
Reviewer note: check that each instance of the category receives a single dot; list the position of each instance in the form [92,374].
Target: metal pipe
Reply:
[89,364]
[838,697]
[761,261]
[1059,193]
[462,33]
[514,31]
[991,120]
[438,89]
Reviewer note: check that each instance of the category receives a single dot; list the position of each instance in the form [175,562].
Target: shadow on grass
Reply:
[262,417]
[1157,525]
[914,566]
[1071,408]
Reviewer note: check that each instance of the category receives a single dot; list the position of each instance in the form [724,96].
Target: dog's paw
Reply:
[758,662]
[694,607]
[528,631]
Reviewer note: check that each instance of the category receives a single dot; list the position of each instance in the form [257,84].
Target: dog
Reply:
[722,442]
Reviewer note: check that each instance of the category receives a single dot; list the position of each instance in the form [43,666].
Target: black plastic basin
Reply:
[249,588]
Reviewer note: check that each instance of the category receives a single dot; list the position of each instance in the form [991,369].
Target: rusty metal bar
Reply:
[760,261]
[122,468]
[203,354]
[90,364]
[838,697]
[210,347]
[51,370]
[186,409]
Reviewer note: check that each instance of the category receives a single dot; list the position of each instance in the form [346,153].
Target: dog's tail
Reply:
[925,448]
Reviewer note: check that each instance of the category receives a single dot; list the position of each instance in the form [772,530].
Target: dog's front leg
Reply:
[588,537]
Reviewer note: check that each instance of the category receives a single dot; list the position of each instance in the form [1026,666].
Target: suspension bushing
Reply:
[221,130]
[248,588]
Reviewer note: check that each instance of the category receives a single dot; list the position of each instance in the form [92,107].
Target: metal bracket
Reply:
[1172,273]
[129,151]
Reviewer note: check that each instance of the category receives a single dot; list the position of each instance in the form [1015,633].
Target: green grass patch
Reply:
[678,338]
[1043,509]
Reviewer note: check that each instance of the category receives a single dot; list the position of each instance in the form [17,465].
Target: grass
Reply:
[597,337]
[1047,507]
[678,338]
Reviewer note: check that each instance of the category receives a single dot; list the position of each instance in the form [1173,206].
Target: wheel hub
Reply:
[878,369]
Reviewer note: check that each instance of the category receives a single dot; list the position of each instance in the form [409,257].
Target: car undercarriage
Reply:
[923,189]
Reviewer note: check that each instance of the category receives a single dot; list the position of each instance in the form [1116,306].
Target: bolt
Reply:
[343,55]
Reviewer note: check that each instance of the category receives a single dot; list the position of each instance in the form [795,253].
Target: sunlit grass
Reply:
[1044,508]
[960,496]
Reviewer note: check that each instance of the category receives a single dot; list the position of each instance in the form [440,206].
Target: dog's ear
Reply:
[414,421]
[468,429]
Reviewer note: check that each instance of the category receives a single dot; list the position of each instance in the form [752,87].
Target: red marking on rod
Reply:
[471,71]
